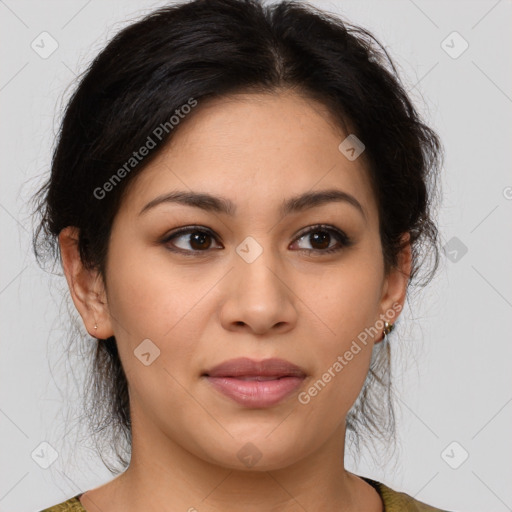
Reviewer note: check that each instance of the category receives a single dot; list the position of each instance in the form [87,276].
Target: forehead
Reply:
[258,121]
[255,148]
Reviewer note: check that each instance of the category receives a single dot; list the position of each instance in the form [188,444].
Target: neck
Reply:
[164,476]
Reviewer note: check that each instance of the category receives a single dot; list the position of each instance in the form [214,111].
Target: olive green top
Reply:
[394,501]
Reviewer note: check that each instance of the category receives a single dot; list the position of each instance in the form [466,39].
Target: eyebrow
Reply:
[219,204]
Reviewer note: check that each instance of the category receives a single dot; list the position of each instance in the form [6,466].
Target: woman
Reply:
[240,197]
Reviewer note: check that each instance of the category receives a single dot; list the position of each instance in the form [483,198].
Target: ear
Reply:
[86,286]
[394,289]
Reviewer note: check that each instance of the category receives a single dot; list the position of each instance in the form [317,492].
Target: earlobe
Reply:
[395,285]
[85,286]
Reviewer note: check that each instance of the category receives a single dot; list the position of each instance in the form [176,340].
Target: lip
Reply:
[256,384]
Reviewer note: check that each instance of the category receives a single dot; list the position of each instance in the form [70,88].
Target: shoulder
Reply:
[71,505]
[396,501]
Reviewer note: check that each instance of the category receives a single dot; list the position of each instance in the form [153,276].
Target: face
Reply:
[188,288]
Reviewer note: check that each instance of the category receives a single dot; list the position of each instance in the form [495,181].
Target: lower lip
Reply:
[256,394]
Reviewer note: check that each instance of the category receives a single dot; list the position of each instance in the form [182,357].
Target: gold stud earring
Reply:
[387,328]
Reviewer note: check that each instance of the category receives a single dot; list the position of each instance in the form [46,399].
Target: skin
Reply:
[256,150]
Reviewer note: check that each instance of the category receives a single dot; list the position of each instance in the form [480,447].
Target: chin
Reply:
[258,454]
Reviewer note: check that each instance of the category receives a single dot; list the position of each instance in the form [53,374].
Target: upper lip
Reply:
[245,367]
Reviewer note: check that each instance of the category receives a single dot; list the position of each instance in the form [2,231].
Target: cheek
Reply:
[346,302]
[345,299]
[152,301]
[342,358]
[148,296]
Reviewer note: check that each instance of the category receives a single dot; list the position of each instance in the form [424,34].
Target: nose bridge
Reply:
[259,297]
[257,264]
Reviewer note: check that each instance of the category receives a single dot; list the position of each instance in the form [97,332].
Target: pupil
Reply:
[322,238]
[199,238]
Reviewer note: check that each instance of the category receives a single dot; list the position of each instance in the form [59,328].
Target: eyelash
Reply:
[342,239]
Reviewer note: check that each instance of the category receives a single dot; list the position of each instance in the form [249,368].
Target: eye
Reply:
[192,240]
[197,239]
[321,236]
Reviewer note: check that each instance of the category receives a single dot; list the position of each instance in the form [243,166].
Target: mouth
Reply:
[256,384]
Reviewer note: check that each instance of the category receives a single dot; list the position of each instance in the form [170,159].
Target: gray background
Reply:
[453,347]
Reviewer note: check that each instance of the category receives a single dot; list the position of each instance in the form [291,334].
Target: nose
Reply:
[259,296]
